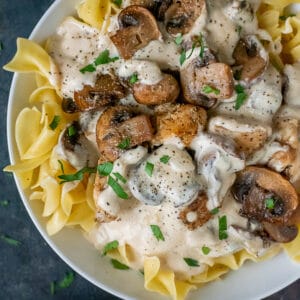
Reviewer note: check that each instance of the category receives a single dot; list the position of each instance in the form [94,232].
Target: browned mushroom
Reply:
[181,15]
[180,120]
[248,136]
[107,90]
[268,198]
[137,28]
[120,125]
[195,214]
[166,90]
[246,54]
[203,85]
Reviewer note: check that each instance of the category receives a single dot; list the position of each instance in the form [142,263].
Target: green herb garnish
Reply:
[191,262]
[61,166]
[118,265]
[205,250]
[149,168]
[64,283]
[102,59]
[134,78]
[125,144]
[72,131]
[10,240]
[183,56]
[270,203]
[157,232]
[89,68]
[120,177]
[241,96]
[237,74]
[202,47]
[208,90]
[110,246]
[118,2]
[142,272]
[52,288]
[165,159]
[117,188]
[76,176]
[4,203]
[283,18]
[53,125]
[179,39]
[105,168]
[223,228]
[214,211]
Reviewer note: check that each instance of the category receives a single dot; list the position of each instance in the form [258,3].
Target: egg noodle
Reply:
[72,203]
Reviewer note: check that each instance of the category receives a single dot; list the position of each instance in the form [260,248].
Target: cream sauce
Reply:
[292,89]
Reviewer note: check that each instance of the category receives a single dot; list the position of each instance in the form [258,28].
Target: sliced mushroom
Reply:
[118,124]
[195,214]
[281,233]
[254,185]
[166,90]
[138,27]
[180,120]
[249,136]
[217,161]
[247,54]
[181,15]
[106,91]
[203,85]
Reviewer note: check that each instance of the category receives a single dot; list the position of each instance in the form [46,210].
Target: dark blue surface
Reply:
[27,270]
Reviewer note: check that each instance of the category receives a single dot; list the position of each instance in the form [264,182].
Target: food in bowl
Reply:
[169,131]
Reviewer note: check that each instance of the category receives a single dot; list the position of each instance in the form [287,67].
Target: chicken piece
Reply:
[203,85]
[248,136]
[195,214]
[179,120]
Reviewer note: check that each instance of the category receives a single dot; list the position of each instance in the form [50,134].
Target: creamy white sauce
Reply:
[292,89]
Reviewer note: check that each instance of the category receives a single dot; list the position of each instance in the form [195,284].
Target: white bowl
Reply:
[252,281]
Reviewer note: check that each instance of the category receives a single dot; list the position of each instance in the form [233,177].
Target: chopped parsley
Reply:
[120,177]
[105,168]
[183,56]
[223,228]
[283,18]
[4,203]
[205,250]
[10,240]
[72,131]
[165,159]
[270,203]
[157,232]
[241,96]
[76,176]
[214,211]
[191,262]
[110,246]
[202,46]
[208,90]
[61,166]
[149,168]
[179,39]
[53,125]
[118,265]
[118,2]
[125,144]
[102,59]
[117,188]
[64,283]
[134,78]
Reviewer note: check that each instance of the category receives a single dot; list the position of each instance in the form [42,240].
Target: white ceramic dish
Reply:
[252,281]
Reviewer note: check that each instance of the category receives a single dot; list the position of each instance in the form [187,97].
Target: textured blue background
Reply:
[26,271]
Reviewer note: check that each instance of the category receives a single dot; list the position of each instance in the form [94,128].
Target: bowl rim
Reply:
[38,225]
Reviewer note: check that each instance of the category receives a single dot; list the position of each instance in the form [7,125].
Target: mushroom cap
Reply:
[196,213]
[106,91]
[180,120]
[281,233]
[166,90]
[117,124]
[254,185]
[194,79]
[181,15]
[137,28]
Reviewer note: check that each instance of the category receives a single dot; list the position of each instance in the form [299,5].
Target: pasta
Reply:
[72,203]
